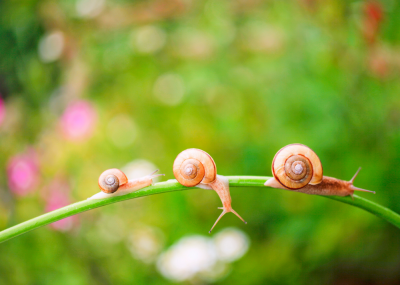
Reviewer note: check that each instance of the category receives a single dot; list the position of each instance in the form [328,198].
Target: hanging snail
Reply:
[296,167]
[113,182]
[196,167]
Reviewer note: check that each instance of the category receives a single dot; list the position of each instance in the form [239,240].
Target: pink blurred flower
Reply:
[23,173]
[373,16]
[2,110]
[78,120]
[57,197]
[379,64]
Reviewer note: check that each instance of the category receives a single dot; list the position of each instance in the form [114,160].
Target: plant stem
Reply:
[173,185]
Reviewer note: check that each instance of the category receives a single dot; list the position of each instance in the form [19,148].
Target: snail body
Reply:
[113,182]
[194,167]
[297,168]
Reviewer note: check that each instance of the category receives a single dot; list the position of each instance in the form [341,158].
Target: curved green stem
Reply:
[173,185]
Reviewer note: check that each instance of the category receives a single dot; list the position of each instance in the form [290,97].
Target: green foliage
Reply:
[239,79]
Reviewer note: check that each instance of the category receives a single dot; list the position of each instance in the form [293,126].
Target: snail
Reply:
[296,167]
[196,167]
[113,182]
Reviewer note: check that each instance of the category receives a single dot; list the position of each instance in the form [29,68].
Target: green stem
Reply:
[173,185]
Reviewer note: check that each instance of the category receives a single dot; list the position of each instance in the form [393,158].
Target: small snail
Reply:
[196,167]
[296,167]
[113,182]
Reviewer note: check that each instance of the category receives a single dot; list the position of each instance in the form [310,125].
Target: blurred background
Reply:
[88,85]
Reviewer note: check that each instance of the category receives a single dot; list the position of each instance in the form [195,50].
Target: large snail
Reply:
[113,182]
[195,167]
[296,167]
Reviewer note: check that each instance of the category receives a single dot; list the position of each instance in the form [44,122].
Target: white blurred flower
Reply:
[145,243]
[191,43]
[186,258]
[51,46]
[139,168]
[169,89]
[231,244]
[122,130]
[203,257]
[89,8]
[149,39]
[218,271]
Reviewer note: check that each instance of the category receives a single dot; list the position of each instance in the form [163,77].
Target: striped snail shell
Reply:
[194,166]
[296,165]
[111,179]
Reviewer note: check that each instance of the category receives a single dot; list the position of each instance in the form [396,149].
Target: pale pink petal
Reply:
[23,173]
[58,198]
[2,110]
[78,120]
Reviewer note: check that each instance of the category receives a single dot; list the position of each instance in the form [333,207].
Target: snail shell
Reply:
[193,166]
[296,165]
[111,179]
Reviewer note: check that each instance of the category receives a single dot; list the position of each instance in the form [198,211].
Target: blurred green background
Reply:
[88,85]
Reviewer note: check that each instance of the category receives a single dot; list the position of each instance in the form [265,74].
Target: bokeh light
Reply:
[57,196]
[122,131]
[89,8]
[169,89]
[23,173]
[78,121]
[149,39]
[145,243]
[231,244]
[139,168]
[51,46]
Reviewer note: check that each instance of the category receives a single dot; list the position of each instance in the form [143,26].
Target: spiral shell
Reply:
[111,179]
[296,165]
[194,166]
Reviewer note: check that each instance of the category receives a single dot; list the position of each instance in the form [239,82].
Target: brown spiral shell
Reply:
[111,179]
[296,165]
[194,166]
